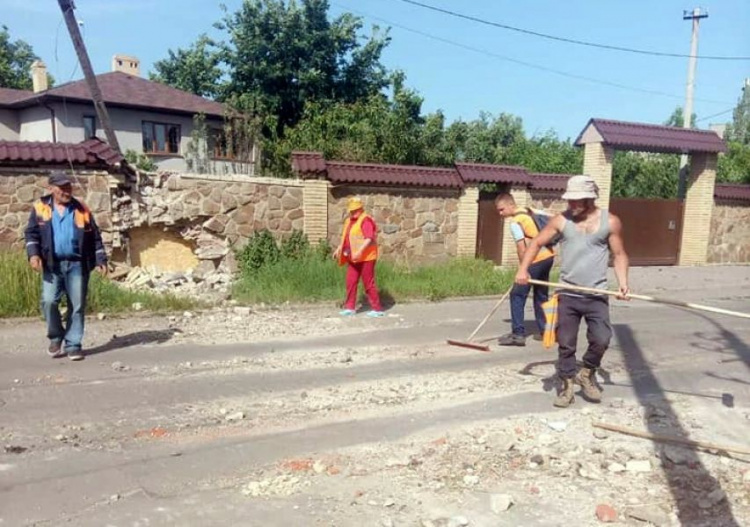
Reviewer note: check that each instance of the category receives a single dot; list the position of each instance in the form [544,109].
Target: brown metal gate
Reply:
[489,230]
[652,229]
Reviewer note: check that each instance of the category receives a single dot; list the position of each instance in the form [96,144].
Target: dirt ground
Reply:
[294,416]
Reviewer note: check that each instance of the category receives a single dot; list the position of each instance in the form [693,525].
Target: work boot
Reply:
[586,378]
[565,398]
[511,339]
[55,350]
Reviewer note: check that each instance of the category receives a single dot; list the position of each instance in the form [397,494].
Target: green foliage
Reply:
[638,175]
[739,130]
[678,118]
[16,58]
[281,55]
[734,166]
[195,69]
[295,246]
[261,250]
[22,288]
[140,161]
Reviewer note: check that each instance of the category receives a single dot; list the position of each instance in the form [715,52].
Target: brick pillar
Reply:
[699,203]
[315,207]
[509,253]
[597,163]
[468,219]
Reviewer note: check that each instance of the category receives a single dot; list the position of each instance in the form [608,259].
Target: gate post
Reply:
[699,203]
[468,220]
[597,163]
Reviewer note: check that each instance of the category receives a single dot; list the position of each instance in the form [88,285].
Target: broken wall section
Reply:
[181,223]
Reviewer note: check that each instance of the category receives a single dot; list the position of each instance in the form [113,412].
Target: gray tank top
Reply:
[584,258]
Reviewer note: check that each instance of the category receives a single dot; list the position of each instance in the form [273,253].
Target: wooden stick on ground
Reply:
[482,347]
[667,301]
[671,439]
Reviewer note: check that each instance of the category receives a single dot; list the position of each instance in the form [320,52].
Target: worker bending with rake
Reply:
[523,229]
[588,235]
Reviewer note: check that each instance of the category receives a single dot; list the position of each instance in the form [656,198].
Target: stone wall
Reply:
[730,232]
[20,188]
[414,225]
[212,215]
[547,200]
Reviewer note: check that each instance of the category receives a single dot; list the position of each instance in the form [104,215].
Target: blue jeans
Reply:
[537,271]
[67,277]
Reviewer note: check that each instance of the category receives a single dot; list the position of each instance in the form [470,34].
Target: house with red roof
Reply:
[148,117]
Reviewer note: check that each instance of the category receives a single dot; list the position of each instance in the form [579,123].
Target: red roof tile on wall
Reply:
[9,95]
[92,153]
[653,138]
[308,163]
[732,192]
[483,173]
[551,182]
[415,176]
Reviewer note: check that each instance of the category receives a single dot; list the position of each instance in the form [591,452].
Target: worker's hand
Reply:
[623,293]
[337,253]
[102,270]
[522,277]
[356,256]
[36,263]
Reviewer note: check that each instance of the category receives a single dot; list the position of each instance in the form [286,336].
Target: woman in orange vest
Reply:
[359,249]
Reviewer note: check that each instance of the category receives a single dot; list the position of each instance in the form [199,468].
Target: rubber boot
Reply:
[586,379]
[565,398]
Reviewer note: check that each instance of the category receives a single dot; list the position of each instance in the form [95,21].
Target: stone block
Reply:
[29,193]
[210,207]
[297,214]
[390,228]
[277,191]
[289,202]
[274,203]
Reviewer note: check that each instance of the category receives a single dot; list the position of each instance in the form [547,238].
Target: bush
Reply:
[261,250]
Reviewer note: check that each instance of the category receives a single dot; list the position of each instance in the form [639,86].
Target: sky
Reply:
[479,69]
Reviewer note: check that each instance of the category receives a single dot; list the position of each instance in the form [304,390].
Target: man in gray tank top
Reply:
[589,234]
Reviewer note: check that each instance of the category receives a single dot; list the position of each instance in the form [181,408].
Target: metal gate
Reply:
[652,229]
[489,230]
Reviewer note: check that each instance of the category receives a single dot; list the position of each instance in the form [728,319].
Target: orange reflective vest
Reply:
[550,321]
[357,241]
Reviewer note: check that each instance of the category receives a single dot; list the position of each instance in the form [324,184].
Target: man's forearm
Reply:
[528,255]
[621,265]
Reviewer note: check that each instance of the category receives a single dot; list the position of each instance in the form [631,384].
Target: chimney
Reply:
[126,64]
[39,76]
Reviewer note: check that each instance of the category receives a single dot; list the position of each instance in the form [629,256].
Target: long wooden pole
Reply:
[667,301]
[671,439]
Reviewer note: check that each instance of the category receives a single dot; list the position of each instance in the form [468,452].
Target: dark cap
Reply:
[59,178]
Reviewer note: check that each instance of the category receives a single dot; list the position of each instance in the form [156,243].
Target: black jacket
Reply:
[39,240]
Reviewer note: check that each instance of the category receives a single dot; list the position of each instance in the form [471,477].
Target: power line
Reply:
[714,115]
[565,39]
[524,63]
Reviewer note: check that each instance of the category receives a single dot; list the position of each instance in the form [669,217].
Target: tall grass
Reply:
[20,290]
[310,275]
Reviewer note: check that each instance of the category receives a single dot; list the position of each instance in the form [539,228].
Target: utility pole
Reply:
[687,114]
[67,7]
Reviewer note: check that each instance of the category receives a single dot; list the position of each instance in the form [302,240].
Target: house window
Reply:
[160,138]
[89,126]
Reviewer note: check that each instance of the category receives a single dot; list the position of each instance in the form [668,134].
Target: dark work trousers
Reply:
[570,310]
[537,271]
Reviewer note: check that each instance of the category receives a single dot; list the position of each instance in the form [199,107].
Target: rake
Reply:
[481,347]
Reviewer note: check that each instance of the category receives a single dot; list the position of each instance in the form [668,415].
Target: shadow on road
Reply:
[134,339]
[690,483]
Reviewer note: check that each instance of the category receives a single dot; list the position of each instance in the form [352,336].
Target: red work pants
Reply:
[365,270]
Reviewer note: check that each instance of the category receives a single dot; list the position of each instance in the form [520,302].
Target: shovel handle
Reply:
[646,298]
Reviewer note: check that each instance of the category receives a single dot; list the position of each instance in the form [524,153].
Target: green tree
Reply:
[195,69]
[678,118]
[16,58]
[282,55]
[739,130]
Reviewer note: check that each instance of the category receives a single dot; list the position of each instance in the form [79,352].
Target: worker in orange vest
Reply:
[359,249]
